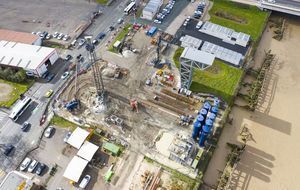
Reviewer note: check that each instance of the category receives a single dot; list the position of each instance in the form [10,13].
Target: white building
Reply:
[226,34]
[151,9]
[35,60]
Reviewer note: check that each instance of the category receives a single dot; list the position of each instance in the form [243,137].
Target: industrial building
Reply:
[18,180]
[35,60]
[151,9]
[227,55]
[20,37]
[189,41]
[192,58]
[226,34]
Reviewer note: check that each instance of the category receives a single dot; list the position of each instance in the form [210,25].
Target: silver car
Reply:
[85,181]
[25,164]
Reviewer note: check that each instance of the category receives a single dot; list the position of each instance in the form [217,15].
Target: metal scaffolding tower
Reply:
[95,67]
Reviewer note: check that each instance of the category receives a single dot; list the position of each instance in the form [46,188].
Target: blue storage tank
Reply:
[202,138]
[196,130]
[203,112]
[207,106]
[206,129]
[211,116]
[201,119]
[214,110]
[216,102]
[209,123]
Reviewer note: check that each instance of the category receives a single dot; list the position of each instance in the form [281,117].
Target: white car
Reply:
[65,38]
[60,36]
[67,136]
[55,35]
[48,131]
[32,166]
[48,36]
[85,181]
[81,42]
[157,21]
[25,164]
[65,75]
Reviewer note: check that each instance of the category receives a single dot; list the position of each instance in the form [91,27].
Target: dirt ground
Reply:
[271,159]
[5,90]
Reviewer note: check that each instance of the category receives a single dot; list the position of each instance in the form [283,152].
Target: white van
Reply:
[74,43]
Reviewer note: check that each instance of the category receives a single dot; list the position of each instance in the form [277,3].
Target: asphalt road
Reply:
[10,131]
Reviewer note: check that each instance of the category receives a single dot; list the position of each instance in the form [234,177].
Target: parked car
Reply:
[50,77]
[32,166]
[40,168]
[74,42]
[101,35]
[65,75]
[55,35]
[25,126]
[60,36]
[48,36]
[49,93]
[45,74]
[68,57]
[120,20]
[95,42]
[48,131]
[84,182]
[111,28]
[67,136]
[25,164]
[157,21]
[81,42]
[8,149]
[65,38]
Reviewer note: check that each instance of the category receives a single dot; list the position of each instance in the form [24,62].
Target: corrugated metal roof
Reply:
[111,147]
[23,55]
[198,56]
[21,37]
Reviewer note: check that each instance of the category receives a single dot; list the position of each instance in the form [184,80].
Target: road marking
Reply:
[36,108]
[2,173]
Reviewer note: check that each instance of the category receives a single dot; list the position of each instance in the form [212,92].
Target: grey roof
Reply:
[13,180]
[153,5]
[198,56]
[224,54]
[189,41]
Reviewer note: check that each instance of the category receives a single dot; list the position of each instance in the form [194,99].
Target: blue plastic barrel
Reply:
[201,119]
[207,106]
[196,130]
[203,112]
[214,110]
[202,139]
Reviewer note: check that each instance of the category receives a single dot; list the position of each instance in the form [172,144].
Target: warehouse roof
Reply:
[21,37]
[198,56]
[14,180]
[78,137]
[87,150]
[75,168]
[23,55]
[189,41]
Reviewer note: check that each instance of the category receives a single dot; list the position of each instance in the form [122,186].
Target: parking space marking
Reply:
[2,173]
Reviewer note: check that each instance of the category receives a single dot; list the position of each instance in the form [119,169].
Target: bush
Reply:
[13,76]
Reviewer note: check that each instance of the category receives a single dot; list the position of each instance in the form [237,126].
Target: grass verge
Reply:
[103,2]
[18,89]
[61,122]
[240,17]
[219,79]
[120,37]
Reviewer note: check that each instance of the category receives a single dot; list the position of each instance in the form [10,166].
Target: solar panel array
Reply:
[224,54]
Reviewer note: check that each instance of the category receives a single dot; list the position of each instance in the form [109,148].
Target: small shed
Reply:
[78,137]
[114,149]
[87,150]
[75,168]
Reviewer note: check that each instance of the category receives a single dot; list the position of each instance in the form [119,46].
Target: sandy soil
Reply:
[271,159]
[5,91]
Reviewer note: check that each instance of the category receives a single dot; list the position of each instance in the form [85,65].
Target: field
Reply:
[240,17]
[13,93]
[103,2]
[219,79]
[61,122]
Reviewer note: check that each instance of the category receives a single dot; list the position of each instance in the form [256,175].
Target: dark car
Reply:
[40,168]
[25,126]
[101,35]
[68,57]
[50,77]
[45,74]
[111,28]
[8,149]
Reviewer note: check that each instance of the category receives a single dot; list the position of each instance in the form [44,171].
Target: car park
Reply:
[25,163]
[55,35]
[50,77]
[68,57]
[25,126]
[48,132]
[32,166]
[67,136]
[65,75]
[8,149]
[40,168]
[60,36]
[84,182]
[49,93]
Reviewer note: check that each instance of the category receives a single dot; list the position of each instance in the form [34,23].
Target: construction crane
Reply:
[95,68]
